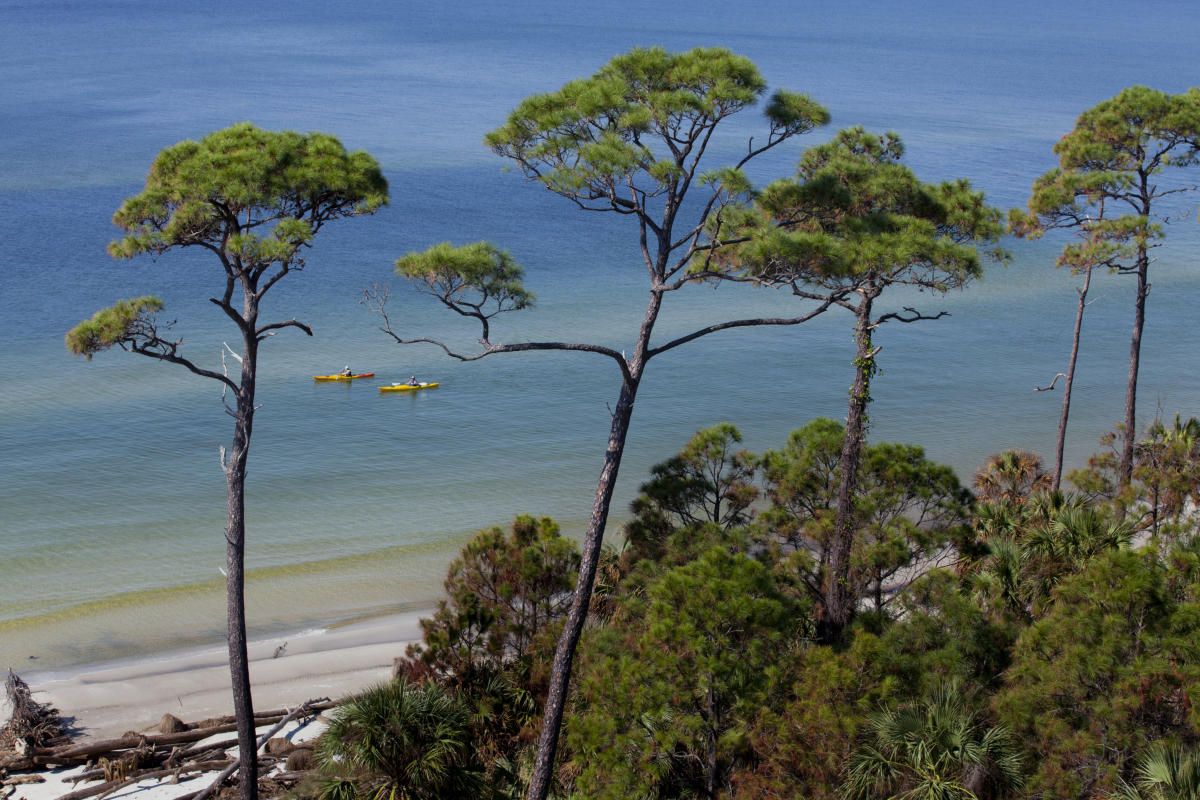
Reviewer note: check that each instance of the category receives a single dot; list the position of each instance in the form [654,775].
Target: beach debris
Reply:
[174,774]
[280,746]
[196,752]
[305,710]
[79,754]
[31,724]
[171,724]
[300,760]
[8,786]
[186,752]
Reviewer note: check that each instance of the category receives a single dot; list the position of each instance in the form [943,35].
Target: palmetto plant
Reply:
[1050,536]
[1002,577]
[399,741]
[511,776]
[1012,476]
[1077,533]
[1165,772]
[1167,464]
[934,749]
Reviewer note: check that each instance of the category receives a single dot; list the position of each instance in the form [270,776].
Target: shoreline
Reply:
[109,698]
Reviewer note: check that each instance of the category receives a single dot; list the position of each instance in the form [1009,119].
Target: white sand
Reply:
[109,699]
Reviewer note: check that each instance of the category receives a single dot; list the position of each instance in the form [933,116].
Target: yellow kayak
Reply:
[343,377]
[408,387]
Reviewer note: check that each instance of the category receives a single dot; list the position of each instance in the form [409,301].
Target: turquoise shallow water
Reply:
[111,500]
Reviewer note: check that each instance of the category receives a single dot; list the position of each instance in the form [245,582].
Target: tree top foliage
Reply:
[854,213]
[479,268]
[251,197]
[630,139]
[503,592]
[113,325]
[255,196]
[1103,182]
[1139,129]
[641,123]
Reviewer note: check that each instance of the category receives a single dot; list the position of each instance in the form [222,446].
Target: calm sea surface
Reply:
[111,499]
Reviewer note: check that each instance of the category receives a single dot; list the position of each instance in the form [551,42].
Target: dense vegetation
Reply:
[837,617]
[1013,641]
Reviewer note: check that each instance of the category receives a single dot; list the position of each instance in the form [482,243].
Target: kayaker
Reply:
[412,381]
[346,371]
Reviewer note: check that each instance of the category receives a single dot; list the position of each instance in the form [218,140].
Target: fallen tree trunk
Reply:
[305,709]
[106,746]
[179,772]
[16,763]
[82,752]
[260,717]
[148,757]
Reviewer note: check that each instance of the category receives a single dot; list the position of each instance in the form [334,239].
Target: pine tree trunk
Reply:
[564,654]
[1069,381]
[840,600]
[235,583]
[541,780]
[1135,353]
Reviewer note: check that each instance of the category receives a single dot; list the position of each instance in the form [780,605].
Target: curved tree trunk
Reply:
[564,653]
[1069,381]
[1135,353]
[840,599]
[235,584]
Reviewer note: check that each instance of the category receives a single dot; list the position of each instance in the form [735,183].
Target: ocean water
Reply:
[111,498]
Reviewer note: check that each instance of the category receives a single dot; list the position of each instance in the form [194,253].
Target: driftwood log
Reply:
[80,753]
[129,759]
[303,710]
[74,755]
[180,774]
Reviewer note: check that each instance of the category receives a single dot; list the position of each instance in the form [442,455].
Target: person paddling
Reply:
[346,371]
[412,381]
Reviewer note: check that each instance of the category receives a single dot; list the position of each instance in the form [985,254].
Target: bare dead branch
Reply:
[491,349]
[737,323]
[376,299]
[913,316]
[266,330]
[1050,387]
[145,340]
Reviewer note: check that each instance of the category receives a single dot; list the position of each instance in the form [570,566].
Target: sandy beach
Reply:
[109,699]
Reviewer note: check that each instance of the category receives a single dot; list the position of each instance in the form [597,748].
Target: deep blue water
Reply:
[110,495]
